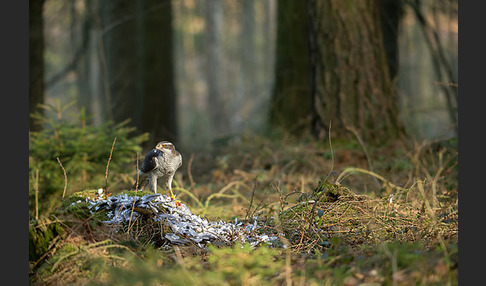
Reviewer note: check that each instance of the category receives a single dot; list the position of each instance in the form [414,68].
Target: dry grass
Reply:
[338,221]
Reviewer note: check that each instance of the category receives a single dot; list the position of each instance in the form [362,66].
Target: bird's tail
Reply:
[141,181]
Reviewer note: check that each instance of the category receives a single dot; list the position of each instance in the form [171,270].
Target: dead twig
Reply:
[365,150]
[65,177]
[450,84]
[351,170]
[138,174]
[251,200]
[36,190]
[108,164]
[189,170]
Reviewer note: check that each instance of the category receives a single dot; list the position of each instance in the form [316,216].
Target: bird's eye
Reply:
[164,145]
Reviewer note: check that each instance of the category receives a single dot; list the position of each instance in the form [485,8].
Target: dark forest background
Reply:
[197,71]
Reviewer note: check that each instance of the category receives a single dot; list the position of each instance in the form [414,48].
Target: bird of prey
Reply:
[160,164]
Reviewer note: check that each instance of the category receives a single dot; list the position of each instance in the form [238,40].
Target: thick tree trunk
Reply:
[332,69]
[358,92]
[36,60]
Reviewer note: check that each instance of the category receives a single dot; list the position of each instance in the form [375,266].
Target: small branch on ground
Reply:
[251,200]
[36,190]
[189,170]
[65,177]
[108,164]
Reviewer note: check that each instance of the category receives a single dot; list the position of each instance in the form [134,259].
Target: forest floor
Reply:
[340,214]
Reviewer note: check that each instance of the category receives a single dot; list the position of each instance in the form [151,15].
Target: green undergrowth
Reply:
[71,155]
[42,234]
[342,217]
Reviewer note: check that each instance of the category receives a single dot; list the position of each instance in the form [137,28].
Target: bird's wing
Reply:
[149,162]
[180,160]
[142,182]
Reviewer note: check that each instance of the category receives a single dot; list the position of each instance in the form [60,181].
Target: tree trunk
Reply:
[332,69]
[391,12]
[358,92]
[247,77]
[159,105]
[81,27]
[137,39]
[36,60]
[291,95]
[217,106]
[117,19]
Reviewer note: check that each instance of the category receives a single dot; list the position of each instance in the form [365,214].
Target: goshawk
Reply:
[160,163]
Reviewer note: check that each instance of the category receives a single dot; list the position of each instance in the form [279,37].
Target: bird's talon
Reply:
[178,203]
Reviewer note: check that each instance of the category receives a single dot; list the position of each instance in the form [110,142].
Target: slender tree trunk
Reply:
[137,40]
[118,28]
[440,63]
[215,78]
[81,28]
[95,80]
[317,126]
[247,75]
[391,12]
[36,60]
[159,106]
[291,95]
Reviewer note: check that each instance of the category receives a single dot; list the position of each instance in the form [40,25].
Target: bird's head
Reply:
[165,146]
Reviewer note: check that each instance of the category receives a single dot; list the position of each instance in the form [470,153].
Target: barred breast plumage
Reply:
[160,165]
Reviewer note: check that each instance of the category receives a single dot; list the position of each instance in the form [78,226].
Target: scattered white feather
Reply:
[186,227]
